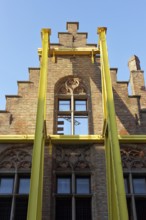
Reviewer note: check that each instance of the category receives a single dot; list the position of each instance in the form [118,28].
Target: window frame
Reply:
[59,105]
[72,113]
[15,195]
[132,197]
[73,194]
[89,186]
[70,185]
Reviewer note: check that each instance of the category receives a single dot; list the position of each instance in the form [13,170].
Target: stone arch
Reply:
[68,83]
[133,156]
[16,157]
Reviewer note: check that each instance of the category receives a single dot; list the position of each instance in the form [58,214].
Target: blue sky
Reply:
[21,22]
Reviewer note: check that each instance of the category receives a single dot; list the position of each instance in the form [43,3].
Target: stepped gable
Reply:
[129,108]
[19,116]
[72,38]
[137,80]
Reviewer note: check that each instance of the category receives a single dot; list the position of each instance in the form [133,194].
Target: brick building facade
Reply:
[74,174]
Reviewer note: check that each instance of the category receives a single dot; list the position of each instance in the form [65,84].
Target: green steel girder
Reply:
[117,206]
[71,138]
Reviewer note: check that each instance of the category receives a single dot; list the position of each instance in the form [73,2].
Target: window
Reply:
[72,108]
[135,187]
[14,190]
[72,117]
[63,185]
[64,105]
[139,185]
[6,185]
[73,198]
[82,185]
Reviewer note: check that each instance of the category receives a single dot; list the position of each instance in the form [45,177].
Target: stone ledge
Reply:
[127,82]
[13,96]
[4,111]
[34,68]
[134,96]
[25,82]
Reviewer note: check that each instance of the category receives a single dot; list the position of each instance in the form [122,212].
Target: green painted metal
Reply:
[115,183]
[36,186]
[75,138]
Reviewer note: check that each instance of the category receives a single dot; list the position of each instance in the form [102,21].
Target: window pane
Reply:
[129,206]
[83,209]
[64,105]
[5,208]
[126,182]
[140,208]
[63,185]
[63,209]
[81,125]
[21,208]
[82,185]
[80,105]
[64,125]
[24,185]
[6,185]
[139,185]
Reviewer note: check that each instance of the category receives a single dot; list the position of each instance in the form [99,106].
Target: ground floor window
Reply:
[135,187]
[14,190]
[73,197]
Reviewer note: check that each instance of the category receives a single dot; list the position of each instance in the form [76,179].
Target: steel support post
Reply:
[36,185]
[118,200]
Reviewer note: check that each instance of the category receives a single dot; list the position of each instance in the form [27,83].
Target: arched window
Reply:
[72,108]
[15,167]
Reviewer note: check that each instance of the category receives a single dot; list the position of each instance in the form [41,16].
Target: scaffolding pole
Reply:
[117,206]
[36,184]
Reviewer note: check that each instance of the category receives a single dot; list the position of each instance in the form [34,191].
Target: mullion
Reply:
[73,193]
[12,217]
[135,197]
[11,198]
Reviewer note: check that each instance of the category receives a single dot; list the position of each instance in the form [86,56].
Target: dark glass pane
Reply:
[83,209]
[129,206]
[80,105]
[140,208]
[24,185]
[63,209]
[139,185]
[6,185]
[64,125]
[5,208]
[64,105]
[21,208]
[63,185]
[126,182]
[82,185]
[81,125]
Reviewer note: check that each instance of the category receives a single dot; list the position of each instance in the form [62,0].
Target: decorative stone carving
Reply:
[133,157]
[16,158]
[73,158]
[72,85]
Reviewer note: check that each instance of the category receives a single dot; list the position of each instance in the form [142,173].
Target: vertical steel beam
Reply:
[117,206]
[36,186]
